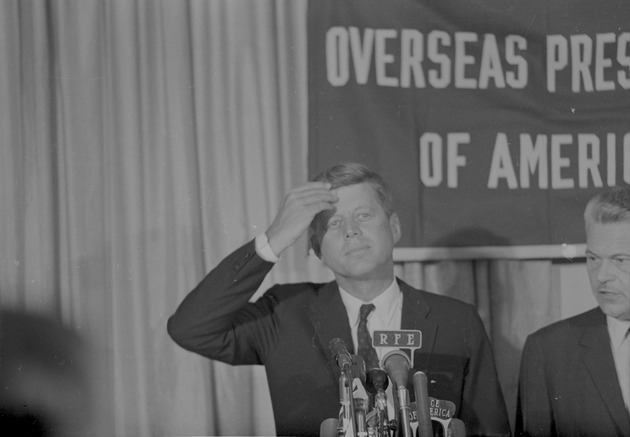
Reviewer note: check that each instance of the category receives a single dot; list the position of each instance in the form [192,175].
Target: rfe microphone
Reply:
[396,363]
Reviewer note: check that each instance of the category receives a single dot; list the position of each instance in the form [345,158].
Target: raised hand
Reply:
[298,208]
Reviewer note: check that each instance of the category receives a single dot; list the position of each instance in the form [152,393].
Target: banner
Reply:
[493,121]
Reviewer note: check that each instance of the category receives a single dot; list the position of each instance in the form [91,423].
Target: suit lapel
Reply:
[415,314]
[329,319]
[598,359]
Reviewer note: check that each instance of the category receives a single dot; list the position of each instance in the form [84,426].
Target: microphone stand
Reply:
[377,383]
[344,361]
[404,410]
[346,400]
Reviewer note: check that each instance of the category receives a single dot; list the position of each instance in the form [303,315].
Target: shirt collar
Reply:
[618,329]
[385,304]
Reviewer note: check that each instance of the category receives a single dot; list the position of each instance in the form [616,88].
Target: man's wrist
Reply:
[264,250]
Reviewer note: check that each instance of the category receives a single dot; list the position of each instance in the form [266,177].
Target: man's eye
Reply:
[364,216]
[333,223]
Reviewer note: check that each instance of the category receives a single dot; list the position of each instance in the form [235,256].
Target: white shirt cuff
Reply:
[264,250]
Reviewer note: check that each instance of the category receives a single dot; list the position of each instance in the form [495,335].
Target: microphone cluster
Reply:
[363,400]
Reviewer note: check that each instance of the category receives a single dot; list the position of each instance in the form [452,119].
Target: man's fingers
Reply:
[307,198]
[312,186]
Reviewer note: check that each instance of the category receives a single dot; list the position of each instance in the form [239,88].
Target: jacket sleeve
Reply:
[533,413]
[483,407]
[216,319]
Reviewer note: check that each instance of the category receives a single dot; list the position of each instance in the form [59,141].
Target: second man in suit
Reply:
[575,373]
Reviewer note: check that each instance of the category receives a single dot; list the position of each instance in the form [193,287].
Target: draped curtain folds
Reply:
[140,142]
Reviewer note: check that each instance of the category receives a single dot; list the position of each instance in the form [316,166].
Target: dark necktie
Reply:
[366,350]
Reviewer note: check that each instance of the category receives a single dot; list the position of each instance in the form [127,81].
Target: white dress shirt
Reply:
[386,316]
[619,331]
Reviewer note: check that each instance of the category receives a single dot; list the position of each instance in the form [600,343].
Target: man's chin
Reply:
[615,311]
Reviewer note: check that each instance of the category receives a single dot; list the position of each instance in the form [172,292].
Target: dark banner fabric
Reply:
[493,121]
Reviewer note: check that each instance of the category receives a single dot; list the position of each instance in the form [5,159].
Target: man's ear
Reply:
[394,225]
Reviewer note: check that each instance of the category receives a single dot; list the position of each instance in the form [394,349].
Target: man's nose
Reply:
[351,229]
[605,272]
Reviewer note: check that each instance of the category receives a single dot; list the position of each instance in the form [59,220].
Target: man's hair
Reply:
[342,175]
[610,206]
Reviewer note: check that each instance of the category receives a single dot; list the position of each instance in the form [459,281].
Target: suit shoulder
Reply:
[295,291]
[571,325]
[442,304]
[441,300]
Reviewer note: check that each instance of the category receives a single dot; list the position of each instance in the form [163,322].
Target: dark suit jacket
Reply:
[289,329]
[568,383]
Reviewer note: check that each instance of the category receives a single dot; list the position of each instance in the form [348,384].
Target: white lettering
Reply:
[611,169]
[431,159]
[442,77]
[581,54]
[519,79]
[462,60]
[588,164]
[490,66]
[337,62]
[455,160]
[602,63]
[590,66]
[361,53]
[623,57]
[382,58]
[534,156]
[501,166]
[411,58]
[557,58]
[558,162]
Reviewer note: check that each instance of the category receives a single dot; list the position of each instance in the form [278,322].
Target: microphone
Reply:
[457,428]
[328,428]
[340,352]
[396,364]
[376,380]
[344,361]
[425,427]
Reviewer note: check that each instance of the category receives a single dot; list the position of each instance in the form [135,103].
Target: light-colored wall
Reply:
[575,291]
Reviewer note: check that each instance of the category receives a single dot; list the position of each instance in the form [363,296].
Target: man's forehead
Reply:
[348,193]
[609,238]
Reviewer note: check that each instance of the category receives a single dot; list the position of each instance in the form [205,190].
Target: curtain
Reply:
[140,142]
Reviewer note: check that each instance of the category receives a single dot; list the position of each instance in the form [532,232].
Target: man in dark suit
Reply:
[353,229]
[575,373]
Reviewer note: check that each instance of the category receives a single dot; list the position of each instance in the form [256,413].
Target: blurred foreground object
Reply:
[43,379]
